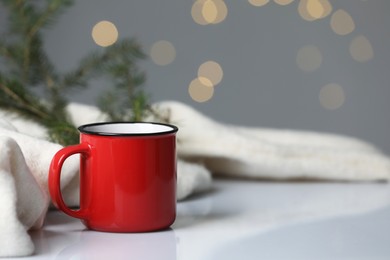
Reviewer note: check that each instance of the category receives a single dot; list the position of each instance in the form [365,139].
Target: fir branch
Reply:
[51,115]
[101,62]
[140,106]
[27,65]
[88,67]
[41,70]
[4,50]
[22,15]
[21,100]
[63,132]
[109,105]
[45,18]
[126,80]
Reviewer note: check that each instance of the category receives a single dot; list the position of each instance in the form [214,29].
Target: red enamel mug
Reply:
[127,176]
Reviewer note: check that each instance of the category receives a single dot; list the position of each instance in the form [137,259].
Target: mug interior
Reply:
[127,128]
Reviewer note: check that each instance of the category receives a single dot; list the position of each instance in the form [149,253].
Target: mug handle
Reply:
[55,176]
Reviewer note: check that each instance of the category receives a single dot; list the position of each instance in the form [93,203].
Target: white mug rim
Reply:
[128,129]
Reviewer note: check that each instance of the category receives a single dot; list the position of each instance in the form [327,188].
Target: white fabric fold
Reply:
[204,147]
[23,202]
[272,153]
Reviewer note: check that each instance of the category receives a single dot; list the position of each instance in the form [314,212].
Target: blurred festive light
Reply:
[342,23]
[315,9]
[283,2]
[212,71]
[196,13]
[209,11]
[201,89]
[309,58]
[360,49]
[104,33]
[258,2]
[162,53]
[222,11]
[206,12]
[332,96]
[311,10]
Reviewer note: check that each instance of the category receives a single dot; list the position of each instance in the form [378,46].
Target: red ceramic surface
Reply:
[127,181]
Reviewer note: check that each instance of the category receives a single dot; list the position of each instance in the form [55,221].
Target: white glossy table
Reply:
[244,220]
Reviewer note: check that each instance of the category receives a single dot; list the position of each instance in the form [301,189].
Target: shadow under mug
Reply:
[127,176]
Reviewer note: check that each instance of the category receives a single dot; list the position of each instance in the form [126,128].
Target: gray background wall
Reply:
[258,50]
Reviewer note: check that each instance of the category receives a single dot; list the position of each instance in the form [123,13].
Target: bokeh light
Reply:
[360,49]
[206,12]
[342,23]
[162,53]
[332,96]
[258,2]
[196,13]
[104,33]
[212,71]
[209,11]
[309,58]
[311,10]
[201,89]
